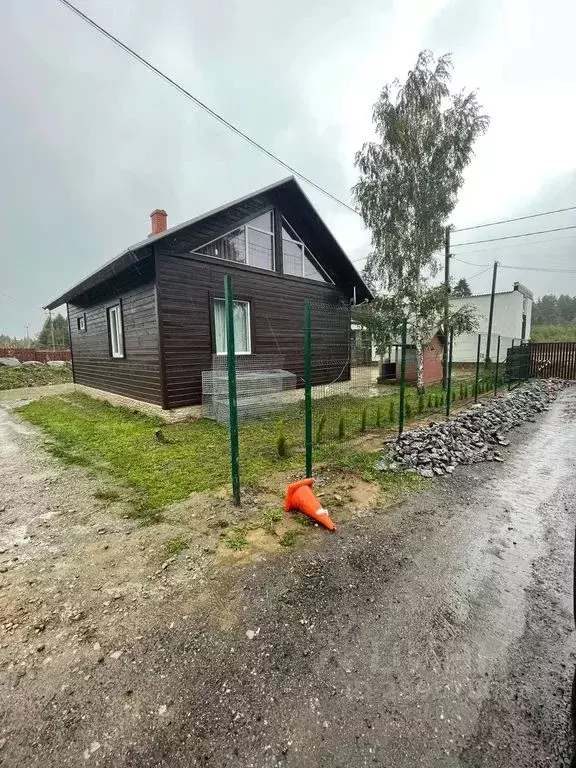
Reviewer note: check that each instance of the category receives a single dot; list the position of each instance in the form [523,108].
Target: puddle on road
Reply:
[527,482]
[453,618]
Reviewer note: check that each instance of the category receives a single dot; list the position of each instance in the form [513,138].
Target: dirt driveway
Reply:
[438,633]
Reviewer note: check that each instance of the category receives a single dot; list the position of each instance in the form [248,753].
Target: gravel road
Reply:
[437,634]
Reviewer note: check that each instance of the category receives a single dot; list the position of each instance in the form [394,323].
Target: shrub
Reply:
[461,391]
[442,400]
[421,404]
[321,428]
[408,409]
[341,427]
[363,420]
[436,401]
[281,446]
[453,395]
[378,416]
[430,402]
[392,412]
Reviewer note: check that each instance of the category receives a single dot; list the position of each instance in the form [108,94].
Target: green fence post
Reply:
[402,378]
[449,376]
[497,364]
[232,396]
[511,367]
[308,385]
[477,368]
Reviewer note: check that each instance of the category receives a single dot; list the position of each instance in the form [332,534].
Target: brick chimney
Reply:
[159,219]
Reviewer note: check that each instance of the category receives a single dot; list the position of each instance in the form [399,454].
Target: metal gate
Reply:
[517,364]
[555,358]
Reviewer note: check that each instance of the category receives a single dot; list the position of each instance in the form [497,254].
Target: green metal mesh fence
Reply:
[326,383]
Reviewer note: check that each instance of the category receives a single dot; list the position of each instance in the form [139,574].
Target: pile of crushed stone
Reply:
[472,436]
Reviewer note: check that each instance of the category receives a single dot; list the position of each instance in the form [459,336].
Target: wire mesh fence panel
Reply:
[518,360]
[348,395]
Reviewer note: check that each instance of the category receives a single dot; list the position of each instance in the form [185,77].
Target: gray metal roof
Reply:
[139,251]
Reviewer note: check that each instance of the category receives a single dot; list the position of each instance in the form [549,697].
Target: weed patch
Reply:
[236,539]
[289,538]
[270,517]
[174,546]
[107,494]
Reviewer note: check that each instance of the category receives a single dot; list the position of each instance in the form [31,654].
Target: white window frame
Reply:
[116,339]
[303,249]
[245,227]
[248,320]
[269,234]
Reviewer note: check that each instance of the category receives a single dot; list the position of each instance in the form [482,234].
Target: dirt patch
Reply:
[77,571]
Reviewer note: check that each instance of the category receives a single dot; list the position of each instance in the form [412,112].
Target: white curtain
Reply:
[241,326]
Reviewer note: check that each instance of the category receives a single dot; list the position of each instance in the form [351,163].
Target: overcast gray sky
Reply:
[92,142]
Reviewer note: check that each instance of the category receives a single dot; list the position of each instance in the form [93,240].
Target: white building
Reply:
[511,321]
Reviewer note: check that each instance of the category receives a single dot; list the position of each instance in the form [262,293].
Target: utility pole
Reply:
[52,332]
[446,304]
[28,336]
[491,313]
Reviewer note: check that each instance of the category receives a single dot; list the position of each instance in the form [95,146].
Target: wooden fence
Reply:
[553,359]
[41,355]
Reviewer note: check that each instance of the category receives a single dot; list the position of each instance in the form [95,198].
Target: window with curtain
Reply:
[241,327]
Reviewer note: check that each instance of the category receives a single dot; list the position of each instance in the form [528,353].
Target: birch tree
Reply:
[409,180]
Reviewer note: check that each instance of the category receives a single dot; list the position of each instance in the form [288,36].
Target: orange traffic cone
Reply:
[299,496]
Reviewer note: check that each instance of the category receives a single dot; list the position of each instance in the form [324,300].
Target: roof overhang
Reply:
[288,187]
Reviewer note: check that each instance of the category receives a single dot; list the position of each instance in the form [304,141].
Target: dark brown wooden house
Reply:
[147,323]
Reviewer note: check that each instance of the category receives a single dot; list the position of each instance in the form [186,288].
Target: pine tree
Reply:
[61,333]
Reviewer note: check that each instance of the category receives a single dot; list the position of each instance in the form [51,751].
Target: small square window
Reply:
[115,331]
[81,321]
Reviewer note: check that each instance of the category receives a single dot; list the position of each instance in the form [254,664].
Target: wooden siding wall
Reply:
[136,375]
[186,288]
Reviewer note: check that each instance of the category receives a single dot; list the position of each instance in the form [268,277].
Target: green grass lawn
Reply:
[194,455]
[33,376]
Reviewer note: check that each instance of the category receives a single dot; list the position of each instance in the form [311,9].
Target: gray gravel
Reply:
[438,633]
[472,436]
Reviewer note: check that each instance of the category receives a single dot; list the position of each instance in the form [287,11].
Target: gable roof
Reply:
[287,193]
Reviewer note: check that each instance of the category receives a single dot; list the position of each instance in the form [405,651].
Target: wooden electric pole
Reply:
[52,332]
[491,312]
[446,305]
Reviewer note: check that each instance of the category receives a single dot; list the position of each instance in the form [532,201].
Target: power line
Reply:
[519,218]
[520,268]
[201,104]
[155,70]
[508,237]
[497,249]
[482,271]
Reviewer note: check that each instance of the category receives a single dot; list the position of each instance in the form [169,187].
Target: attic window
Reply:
[252,244]
[297,258]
